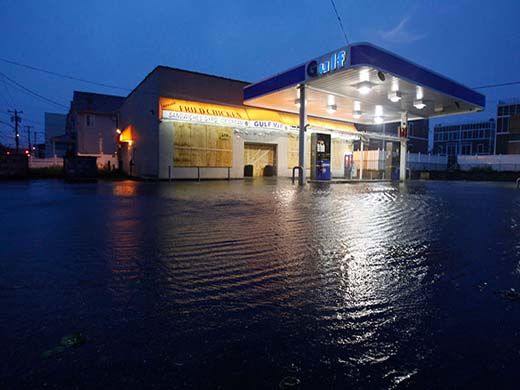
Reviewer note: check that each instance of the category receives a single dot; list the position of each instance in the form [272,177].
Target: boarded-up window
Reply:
[292,151]
[202,146]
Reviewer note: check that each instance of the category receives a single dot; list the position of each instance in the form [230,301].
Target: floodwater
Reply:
[259,285]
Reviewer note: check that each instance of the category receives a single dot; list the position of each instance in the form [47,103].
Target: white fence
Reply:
[45,162]
[499,162]
[375,160]
[426,162]
[103,161]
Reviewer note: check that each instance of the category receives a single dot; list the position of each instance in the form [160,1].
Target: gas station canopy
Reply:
[362,83]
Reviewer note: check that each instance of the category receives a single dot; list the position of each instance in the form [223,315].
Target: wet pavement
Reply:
[259,284]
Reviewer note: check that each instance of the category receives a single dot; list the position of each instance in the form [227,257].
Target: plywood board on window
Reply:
[293,151]
[202,146]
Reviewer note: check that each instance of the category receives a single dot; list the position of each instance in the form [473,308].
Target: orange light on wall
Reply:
[127,135]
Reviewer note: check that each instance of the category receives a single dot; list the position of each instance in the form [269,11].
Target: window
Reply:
[466,149]
[480,148]
[89,120]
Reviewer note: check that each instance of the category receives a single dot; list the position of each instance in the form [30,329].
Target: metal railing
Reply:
[300,172]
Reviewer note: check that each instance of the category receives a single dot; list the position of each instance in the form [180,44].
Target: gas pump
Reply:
[320,156]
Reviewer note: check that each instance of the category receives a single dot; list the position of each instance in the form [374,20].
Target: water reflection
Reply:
[224,284]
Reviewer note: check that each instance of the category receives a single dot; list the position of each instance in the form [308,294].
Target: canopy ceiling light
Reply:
[395,96]
[438,108]
[357,114]
[419,104]
[378,114]
[364,87]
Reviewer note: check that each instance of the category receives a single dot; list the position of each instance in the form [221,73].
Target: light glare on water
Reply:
[245,283]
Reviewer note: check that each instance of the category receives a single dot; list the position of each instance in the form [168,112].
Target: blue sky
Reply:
[119,42]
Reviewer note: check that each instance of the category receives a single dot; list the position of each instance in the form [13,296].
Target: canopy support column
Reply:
[361,153]
[301,139]
[403,134]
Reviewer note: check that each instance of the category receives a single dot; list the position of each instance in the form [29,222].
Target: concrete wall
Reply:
[166,155]
[140,111]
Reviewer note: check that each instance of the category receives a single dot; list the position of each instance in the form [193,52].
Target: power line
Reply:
[497,85]
[8,94]
[62,75]
[34,94]
[339,20]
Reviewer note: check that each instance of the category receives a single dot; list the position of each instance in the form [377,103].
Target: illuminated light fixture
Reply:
[364,74]
[118,131]
[419,93]
[378,114]
[130,142]
[331,108]
[395,84]
[395,96]
[364,87]
[419,104]
[356,114]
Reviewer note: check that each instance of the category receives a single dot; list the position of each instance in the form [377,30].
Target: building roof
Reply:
[96,102]
[364,84]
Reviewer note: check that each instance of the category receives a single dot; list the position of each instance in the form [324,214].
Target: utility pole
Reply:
[16,118]
[29,137]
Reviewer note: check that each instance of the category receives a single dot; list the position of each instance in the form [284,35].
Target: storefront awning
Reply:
[362,83]
[242,116]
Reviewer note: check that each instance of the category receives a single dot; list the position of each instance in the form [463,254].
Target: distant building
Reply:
[508,127]
[92,122]
[473,138]
[56,142]
[417,134]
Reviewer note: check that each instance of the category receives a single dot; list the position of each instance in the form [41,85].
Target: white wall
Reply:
[500,162]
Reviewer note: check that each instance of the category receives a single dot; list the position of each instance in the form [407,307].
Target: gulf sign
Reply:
[334,61]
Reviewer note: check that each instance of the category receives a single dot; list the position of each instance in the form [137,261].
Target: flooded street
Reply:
[259,284]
